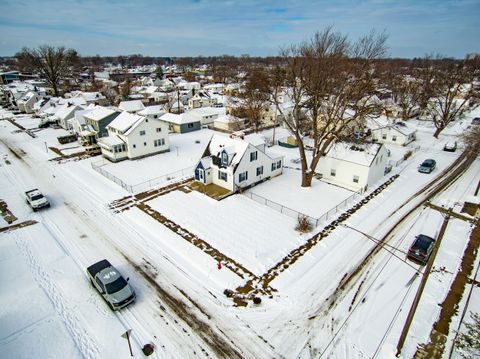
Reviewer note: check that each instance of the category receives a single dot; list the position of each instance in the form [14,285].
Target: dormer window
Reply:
[224,158]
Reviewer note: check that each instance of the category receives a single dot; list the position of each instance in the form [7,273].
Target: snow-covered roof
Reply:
[227,119]
[255,139]
[232,146]
[99,113]
[131,106]
[125,121]
[207,111]
[178,119]
[400,127]
[65,110]
[362,154]
[79,116]
[92,96]
[110,141]
[152,110]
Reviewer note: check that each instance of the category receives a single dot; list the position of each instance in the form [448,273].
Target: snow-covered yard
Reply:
[48,307]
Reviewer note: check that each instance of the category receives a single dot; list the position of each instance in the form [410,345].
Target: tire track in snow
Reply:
[83,341]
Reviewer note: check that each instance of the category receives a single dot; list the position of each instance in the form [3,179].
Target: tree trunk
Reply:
[307,179]
[437,131]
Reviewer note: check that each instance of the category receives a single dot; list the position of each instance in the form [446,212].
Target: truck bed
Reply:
[97,267]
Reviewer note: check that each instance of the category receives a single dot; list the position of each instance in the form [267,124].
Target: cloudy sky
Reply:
[216,27]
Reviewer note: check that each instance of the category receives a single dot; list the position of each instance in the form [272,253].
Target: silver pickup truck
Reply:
[36,199]
[108,281]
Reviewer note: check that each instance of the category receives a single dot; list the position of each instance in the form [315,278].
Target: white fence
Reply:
[145,185]
[296,214]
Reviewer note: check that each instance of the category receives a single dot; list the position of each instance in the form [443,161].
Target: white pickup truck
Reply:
[108,281]
[36,199]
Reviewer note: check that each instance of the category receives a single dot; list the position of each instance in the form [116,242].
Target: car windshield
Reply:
[116,285]
[427,163]
[37,197]
[422,243]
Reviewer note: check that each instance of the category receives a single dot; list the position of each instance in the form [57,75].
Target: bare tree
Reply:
[330,82]
[469,342]
[471,138]
[255,97]
[453,89]
[54,64]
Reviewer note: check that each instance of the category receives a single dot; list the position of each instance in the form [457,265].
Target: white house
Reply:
[26,102]
[207,114]
[353,166]
[133,106]
[200,99]
[133,136]
[398,133]
[64,113]
[152,112]
[234,163]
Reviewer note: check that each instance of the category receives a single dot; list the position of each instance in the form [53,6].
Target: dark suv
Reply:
[427,166]
[421,248]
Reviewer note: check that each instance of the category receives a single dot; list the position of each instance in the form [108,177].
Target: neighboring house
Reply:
[26,103]
[100,118]
[133,136]
[131,106]
[64,114]
[354,166]
[152,112]
[181,123]
[229,123]
[207,115]
[235,163]
[200,99]
[399,134]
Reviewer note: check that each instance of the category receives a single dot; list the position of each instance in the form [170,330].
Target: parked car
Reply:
[111,285]
[36,199]
[450,147]
[93,150]
[427,166]
[421,249]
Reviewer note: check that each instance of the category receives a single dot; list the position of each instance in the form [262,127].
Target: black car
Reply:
[450,147]
[427,166]
[421,249]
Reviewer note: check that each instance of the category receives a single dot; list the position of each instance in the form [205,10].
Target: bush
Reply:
[303,224]
[407,155]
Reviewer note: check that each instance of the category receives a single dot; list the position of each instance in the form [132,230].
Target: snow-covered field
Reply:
[48,307]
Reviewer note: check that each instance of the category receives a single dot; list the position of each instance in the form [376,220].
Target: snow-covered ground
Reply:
[48,307]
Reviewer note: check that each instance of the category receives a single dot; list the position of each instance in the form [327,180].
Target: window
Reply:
[144,143]
[159,142]
[159,129]
[355,178]
[274,166]
[243,176]
[260,171]
[333,172]
[279,164]
[224,158]
[222,176]
[384,136]
[190,125]
[134,146]
[253,156]
[155,116]
[146,120]
[142,133]
[394,138]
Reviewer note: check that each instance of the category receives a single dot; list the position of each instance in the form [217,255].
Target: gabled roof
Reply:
[99,113]
[362,154]
[234,147]
[65,110]
[152,110]
[125,121]
[402,128]
[178,119]
[131,106]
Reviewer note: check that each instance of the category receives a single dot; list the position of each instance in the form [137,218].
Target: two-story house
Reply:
[235,164]
[132,136]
